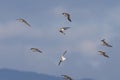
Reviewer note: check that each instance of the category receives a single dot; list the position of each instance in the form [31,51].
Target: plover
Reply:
[23,21]
[104,43]
[103,53]
[66,77]
[36,50]
[63,29]
[67,15]
[62,58]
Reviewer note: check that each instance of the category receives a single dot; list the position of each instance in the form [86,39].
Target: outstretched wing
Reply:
[39,50]
[36,50]
[59,62]
[65,28]
[69,19]
[62,32]
[26,23]
[108,45]
[66,77]
[106,55]
[64,52]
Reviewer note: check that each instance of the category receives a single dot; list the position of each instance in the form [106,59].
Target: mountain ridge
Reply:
[10,74]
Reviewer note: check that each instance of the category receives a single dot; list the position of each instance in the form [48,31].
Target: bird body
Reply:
[62,58]
[103,53]
[24,21]
[67,15]
[104,43]
[66,77]
[63,29]
[36,50]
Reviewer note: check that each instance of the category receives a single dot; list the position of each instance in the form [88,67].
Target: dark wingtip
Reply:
[107,56]
[110,45]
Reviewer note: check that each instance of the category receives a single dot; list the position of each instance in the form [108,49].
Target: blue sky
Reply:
[92,20]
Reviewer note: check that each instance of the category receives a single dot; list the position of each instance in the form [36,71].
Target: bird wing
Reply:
[108,45]
[59,62]
[64,52]
[65,14]
[65,28]
[61,32]
[36,50]
[106,55]
[66,77]
[39,50]
[26,23]
[69,18]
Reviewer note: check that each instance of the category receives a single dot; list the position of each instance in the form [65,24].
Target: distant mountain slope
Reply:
[7,74]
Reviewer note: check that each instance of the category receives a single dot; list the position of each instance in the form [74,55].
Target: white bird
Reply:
[66,77]
[104,43]
[62,58]
[36,50]
[103,53]
[63,29]
[24,21]
[67,15]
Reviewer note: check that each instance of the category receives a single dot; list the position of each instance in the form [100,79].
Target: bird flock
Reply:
[62,31]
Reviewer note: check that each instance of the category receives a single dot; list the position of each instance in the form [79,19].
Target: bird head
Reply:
[103,40]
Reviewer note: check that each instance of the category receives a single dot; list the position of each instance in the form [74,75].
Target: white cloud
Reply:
[11,29]
[88,47]
[15,29]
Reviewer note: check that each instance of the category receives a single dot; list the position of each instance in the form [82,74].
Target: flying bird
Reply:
[67,15]
[104,43]
[66,77]
[63,29]
[36,50]
[24,21]
[62,58]
[103,53]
